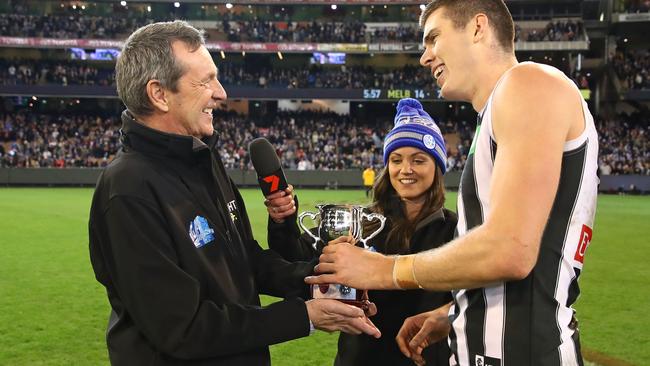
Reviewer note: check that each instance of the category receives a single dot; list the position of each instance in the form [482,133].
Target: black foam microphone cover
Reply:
[267,166]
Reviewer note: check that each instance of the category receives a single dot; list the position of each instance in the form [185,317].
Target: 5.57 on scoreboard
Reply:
[394,93]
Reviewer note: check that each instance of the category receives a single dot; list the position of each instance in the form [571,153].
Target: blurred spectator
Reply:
[632,68]
[636,6]
[624,145]
[38,140]
[68,26]
[79,26]
[29,72]
[554,31]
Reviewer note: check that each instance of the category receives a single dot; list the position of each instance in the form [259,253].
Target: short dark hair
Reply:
[460,12]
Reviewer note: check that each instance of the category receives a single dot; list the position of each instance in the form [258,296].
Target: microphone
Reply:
[267,166]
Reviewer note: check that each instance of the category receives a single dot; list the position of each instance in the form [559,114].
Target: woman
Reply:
[410,193]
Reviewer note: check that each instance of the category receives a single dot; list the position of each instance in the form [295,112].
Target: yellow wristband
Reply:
[404,273]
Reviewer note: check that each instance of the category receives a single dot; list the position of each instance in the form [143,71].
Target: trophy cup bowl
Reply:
[334,221]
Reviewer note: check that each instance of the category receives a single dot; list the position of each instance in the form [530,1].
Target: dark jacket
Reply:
[171,242]
[393,306]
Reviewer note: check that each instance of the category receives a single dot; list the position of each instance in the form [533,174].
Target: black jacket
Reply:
[393,306]
[171,242]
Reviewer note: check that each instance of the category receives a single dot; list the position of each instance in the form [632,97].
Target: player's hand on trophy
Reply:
[332,315]
[281,204]
[421,330]
[344,263]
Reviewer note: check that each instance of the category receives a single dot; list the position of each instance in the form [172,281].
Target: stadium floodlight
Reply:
[223,55]
[83,7]
[228,6]
[149,8]
[333,6]
[74,7]
[177,4]
[280,55]
[123,3]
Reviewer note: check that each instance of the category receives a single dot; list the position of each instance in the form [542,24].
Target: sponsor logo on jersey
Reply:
[585,239]
[482,360]
[200,232]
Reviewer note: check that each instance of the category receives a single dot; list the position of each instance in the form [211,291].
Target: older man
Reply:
[169,234]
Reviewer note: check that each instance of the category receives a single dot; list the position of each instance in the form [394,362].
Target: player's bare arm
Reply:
[535,112]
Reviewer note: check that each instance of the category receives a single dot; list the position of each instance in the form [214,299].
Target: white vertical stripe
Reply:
[461,226]
[494,321]
[459,328]
[483,163]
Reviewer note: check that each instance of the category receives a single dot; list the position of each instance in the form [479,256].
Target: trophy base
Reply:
[344,294]
[362,304]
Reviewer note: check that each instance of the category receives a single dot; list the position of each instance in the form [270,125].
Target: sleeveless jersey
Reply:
[527,322]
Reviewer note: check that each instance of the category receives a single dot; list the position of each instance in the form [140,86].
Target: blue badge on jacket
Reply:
[200,232]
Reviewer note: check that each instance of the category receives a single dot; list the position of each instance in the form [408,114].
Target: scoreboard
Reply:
[388,94]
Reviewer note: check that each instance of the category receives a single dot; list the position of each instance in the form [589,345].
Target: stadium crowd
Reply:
[636,6]
[79,26]
[317,32]
[42,140]
[28,72]
[633,68]
[624,145]
[304,141]
[316,76]
[554,31]
[31,72]
[68,26]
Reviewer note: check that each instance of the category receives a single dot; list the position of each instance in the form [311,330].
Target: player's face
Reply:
[198,92]
[447,53]
[411,172]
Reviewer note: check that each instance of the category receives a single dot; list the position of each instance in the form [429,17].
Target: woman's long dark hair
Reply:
[386,202]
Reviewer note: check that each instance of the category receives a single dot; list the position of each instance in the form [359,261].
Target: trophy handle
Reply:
[370,217]
[312,216]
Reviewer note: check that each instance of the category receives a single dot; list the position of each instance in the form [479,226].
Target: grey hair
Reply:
[147,55]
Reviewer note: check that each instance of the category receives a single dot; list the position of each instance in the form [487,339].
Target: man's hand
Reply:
[332,315]
[422,330]
[344,263]
[281,204]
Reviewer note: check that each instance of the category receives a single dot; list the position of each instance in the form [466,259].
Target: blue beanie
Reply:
[415,128]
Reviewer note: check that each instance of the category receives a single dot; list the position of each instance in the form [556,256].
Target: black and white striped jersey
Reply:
[527,322]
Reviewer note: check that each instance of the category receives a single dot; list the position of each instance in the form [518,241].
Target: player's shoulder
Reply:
[532,77]
[528,83]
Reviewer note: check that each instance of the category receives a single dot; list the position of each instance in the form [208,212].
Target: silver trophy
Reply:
[334,221]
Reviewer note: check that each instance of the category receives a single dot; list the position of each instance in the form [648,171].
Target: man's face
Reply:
[447,52]
[198,91]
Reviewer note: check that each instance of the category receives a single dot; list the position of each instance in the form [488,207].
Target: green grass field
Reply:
[53,312]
